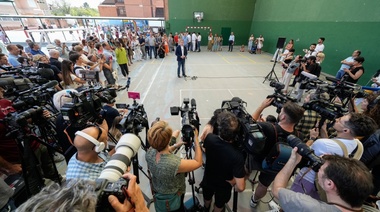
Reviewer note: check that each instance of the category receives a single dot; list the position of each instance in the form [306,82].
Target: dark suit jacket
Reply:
[178,52]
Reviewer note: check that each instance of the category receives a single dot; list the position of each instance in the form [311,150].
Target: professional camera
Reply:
[86,106]
[326,109]
[250,136]
[190,120]
[305,151]
[279,99]
[110,181]
[136,119]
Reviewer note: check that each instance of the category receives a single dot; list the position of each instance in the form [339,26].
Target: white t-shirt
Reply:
[319,48]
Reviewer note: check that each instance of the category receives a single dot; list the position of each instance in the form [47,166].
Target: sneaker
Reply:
[274,206]
[272,60]
[58,157]
[253,203]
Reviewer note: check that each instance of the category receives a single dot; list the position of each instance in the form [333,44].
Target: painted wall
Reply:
[346,24]
[218,14]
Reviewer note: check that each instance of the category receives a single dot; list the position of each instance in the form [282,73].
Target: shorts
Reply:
[222,195]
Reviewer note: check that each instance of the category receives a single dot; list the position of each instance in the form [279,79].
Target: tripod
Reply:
[196,205]
[272,72]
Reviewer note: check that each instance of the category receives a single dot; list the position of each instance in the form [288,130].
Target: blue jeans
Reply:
[199,46]
[340,74]
[181,63]
[151,50]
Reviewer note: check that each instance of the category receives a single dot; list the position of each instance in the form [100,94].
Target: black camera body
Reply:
[250,137]
[279,99]
[326,109]
[189,120]
[86,106]
[104,188]
[315,162]
[135,121]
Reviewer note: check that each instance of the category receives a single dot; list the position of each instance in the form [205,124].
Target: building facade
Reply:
[132,8]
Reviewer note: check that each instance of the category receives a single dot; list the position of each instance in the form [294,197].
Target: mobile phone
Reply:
[121,106]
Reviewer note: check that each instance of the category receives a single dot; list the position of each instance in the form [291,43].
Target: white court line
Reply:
[222,89]
[151,81]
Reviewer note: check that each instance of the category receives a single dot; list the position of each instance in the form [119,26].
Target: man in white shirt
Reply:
[320,46]
[193,41]
[199,38]
[231,41]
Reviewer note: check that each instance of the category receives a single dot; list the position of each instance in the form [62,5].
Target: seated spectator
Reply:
[346,182]
[4,62]
[347,63]
[14,53]
[35,49]
[355,72]
[54,59]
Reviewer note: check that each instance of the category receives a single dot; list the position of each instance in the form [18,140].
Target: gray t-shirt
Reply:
[164,173]
[292,201]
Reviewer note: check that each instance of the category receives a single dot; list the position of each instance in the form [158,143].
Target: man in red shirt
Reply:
[176,39]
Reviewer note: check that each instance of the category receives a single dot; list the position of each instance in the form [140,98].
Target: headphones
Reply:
[99,146]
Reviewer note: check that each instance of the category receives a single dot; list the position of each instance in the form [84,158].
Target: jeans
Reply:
[340,74]
[230,45]
[198,46]
[181,63]
[151,50]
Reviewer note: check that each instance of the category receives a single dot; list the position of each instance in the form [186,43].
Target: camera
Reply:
[189,120]
[250,136]
[110,181]
[305,151]
[86,106]
[279,99]
[136,119]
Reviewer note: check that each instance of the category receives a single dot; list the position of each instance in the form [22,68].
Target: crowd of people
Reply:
[342,183]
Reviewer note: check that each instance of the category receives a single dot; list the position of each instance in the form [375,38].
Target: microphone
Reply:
[193,103]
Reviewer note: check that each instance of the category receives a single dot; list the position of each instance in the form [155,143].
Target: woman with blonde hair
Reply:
[320,58]
[168,170]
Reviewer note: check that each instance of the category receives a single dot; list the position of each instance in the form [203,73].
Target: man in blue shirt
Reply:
[35,49]
[347,63]
[14,52]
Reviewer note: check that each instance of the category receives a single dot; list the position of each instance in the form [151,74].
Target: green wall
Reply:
[346,24]
[218,14]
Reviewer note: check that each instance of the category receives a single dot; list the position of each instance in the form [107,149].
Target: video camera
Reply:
[279,99]
[189,120]
[305,151]
[86,106]
[250,136]
[110,181]
[136,119]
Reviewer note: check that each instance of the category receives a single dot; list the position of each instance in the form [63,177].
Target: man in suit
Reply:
[181,53]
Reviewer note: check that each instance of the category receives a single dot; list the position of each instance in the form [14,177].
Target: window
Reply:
[159,12]
[121,11]
[120,1]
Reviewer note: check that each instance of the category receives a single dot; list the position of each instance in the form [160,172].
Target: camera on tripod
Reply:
[110,181]
[86,106]
[136,119]
[189,119]
[250,136]
[279,99]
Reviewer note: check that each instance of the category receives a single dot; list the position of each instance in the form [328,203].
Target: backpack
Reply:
[280,152]
[371,154]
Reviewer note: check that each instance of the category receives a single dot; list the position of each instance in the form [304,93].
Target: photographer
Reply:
[90,159]
[168,170]
[347,183]
[83,197]
[348,128]
[289,116]
[310,66]
[220,149]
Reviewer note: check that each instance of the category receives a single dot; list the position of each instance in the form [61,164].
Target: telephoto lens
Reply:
[127,147]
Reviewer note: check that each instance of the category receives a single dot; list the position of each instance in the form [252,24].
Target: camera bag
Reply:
[279,154]
[167,202]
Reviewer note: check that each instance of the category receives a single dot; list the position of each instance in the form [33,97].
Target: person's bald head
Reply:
[54,53]
[100,134]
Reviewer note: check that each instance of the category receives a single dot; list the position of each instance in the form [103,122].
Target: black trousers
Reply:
[124,69]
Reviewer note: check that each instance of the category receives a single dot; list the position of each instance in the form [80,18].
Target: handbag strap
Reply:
[358,151]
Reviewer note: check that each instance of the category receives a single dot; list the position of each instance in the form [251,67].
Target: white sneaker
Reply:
[253,203]
[274,206]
